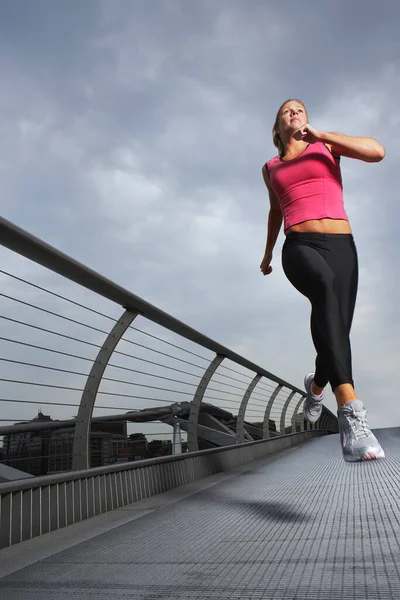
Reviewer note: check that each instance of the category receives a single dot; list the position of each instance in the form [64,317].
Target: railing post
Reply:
[274,394]
[243,407]
[80,451]
[176,437]
[192,434]
[284,410]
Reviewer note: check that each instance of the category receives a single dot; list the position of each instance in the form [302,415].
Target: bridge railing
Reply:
[97,349]
[114,379]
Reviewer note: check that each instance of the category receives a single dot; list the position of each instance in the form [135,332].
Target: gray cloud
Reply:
[133,138]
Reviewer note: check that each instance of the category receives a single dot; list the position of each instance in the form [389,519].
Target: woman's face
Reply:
[293,116]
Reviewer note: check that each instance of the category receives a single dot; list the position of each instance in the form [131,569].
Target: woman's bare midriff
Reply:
[321,226]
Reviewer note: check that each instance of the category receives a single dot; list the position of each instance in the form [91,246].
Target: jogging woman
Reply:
[319,258]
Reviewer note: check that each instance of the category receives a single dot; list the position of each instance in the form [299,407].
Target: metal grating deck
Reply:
[301,525]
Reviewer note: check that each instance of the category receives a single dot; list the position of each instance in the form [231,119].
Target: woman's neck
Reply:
[294,147]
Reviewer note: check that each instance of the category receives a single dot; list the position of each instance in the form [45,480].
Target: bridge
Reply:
[206,483]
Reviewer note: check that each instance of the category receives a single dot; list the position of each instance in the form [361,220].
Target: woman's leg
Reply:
[324,268]
[343,261]
[321,377]
[343,392]
[311,265]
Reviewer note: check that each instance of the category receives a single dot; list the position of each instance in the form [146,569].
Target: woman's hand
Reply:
[307,133]
[265,266]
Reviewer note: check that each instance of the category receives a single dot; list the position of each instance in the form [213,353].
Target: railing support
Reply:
[283,414]
[80,451]
[274,394]
[243,407]
[296,410]
[192,434]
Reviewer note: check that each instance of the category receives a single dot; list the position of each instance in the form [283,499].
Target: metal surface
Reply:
[266,433]
[284,411]
[243,406]
[35,506]
[25,244]
[8,473]
[304,525]
[216,438]
[80,451]
[192,439]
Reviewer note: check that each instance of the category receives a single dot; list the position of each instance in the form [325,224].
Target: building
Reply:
[107,439]
[50,451]
[28,451]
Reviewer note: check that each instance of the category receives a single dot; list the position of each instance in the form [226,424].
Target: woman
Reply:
[319,258]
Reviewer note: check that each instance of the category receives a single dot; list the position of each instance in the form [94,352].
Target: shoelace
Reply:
[358,423]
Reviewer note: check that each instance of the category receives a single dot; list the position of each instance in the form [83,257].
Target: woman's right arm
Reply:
[275,218]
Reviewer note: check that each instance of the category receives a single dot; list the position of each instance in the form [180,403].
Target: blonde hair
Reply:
[276,138]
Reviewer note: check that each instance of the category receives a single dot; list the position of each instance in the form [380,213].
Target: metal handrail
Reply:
[20,241]
[48,480]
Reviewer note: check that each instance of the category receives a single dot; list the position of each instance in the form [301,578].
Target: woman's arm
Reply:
[362,148]
[275,218]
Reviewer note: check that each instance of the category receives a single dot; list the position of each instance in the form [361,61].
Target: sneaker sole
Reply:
[306,378]
[368,456]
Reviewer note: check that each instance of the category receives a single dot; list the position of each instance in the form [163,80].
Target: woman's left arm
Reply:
[363,148]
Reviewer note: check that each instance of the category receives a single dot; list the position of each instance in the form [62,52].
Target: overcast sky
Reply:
[133,135]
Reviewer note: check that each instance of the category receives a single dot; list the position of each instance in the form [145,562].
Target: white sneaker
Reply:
[312,408]
[358,441]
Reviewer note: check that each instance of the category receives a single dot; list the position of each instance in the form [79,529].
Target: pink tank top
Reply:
[308,186]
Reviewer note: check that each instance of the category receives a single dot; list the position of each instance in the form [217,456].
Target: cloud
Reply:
[133,140]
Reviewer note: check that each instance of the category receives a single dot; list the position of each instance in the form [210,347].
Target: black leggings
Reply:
[324,268]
